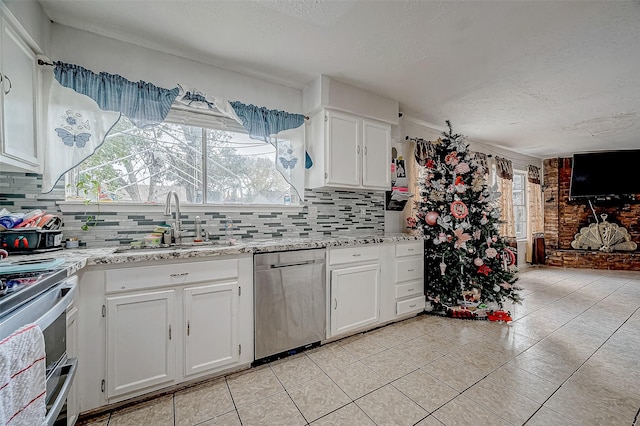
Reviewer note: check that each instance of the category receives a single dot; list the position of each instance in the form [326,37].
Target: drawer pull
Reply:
[413,306]
[357,255]
[410,289]
[184,274]
[410,249]
[410,270]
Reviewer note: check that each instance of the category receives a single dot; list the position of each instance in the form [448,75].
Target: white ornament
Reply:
[491,252]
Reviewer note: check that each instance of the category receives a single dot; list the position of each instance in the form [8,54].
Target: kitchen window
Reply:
[206,159]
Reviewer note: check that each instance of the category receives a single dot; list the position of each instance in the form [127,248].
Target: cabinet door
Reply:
[343,150]
[140,341]
[376,159]
[73,405]
[19,98]
[354,298]
[211,322]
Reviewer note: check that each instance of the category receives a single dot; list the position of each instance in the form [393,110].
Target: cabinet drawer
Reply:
[410,249]
[409,289]
[139,278]
[353,254]
[409,269]
[411,305]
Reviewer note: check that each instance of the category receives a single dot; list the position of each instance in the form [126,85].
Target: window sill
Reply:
[111,206]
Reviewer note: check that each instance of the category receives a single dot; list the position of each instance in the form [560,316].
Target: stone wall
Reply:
[564,218]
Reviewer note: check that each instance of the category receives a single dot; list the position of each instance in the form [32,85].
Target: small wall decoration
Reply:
[401,171]
[459,210]
[604,236]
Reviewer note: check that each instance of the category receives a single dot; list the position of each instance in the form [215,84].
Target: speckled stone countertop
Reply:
[76,259]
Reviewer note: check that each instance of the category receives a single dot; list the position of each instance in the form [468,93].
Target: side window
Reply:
[520,204]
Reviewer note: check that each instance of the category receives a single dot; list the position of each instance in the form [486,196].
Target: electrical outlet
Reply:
[363,212]
[313,211]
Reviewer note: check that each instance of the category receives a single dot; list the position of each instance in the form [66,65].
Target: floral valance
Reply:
[504,168]
[143,103]
[533,174]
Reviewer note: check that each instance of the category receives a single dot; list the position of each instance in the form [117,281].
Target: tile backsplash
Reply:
[324,212]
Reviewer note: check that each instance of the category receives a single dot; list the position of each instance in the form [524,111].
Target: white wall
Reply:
[133,62]
[33,19]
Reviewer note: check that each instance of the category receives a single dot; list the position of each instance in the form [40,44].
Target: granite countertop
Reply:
[76,259]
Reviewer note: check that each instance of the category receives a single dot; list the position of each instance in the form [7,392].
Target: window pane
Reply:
[518,198]
[518,181]
[242,170]
[144,165]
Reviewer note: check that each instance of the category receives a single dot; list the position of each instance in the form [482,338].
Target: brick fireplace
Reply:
[563,219]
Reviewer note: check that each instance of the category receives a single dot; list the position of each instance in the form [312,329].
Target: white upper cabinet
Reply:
[348,151]
[18,102]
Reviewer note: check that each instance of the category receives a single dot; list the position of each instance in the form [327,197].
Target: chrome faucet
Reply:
[177,232]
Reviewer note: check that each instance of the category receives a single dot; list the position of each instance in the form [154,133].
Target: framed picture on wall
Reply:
[401,171]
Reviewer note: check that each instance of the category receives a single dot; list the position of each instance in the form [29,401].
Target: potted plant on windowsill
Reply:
[87,189]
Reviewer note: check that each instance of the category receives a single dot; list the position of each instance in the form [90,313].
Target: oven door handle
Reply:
[58,309]
[70,370]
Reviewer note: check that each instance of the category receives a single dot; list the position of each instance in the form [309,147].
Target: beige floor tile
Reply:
[253,385]
[416,352]
[318,397]
[356,379]
[429,421]
[388,365]
[547,417]
[360,347]
[229,419]
[158,412]
[464,411]
[348,415]
[275,410]
[429,392]
[331,355]
[594,405]
[454,373]
[203,402]
[296,370]
[101,420]
[554,370]
[510,406]
[526,384]
[388,406]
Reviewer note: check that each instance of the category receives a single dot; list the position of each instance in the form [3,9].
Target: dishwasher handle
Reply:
[286,265]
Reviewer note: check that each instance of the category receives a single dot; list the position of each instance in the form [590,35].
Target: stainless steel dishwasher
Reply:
[290,300]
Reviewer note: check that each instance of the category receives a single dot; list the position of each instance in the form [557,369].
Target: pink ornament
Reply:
[491,252]
[431,218]
[462,168]
[442,237]
[494,238]
[478,262]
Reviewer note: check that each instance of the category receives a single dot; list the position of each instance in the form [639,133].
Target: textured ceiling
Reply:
[543,78]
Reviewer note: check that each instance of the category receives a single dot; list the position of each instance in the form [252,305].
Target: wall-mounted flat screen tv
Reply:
[604,175]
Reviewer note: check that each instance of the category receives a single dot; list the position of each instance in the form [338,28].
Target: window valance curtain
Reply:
[263,124]
[83,107]
[533,174]
[504,168]
[143,103]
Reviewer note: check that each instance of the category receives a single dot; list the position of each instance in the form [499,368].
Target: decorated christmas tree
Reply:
[467,262]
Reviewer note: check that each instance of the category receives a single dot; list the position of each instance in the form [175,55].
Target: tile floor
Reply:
[570,357]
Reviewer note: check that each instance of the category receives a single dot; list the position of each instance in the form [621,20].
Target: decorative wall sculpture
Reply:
[604,236]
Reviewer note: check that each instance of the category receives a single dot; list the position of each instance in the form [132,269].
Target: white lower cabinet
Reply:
[354,298]
[73,402]
[211,316]
[140,341]
[147,326]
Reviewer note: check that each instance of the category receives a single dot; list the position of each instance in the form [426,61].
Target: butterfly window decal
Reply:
[286,155]
[71,135]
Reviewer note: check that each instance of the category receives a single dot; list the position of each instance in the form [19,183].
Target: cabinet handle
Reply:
[169,331]
[410,289]
[6,92]
[410,270]
[357,255]
[410,249]
[413,306]
[188,328]
[358,149]
[365,150]
[184,274]
[335,301]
